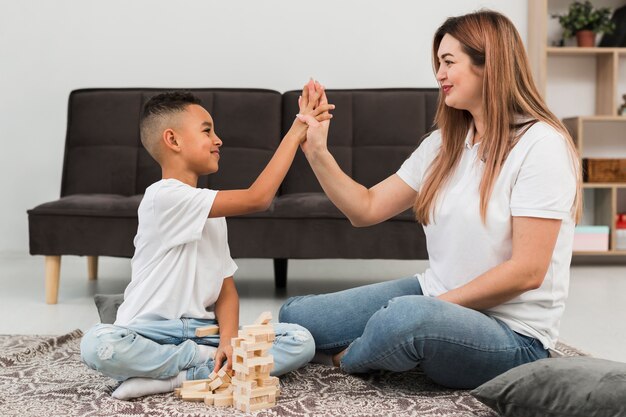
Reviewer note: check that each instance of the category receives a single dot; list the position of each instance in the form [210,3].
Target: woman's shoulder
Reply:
[534,133]
[431,140]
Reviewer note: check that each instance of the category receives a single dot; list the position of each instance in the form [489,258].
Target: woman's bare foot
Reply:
[337,358]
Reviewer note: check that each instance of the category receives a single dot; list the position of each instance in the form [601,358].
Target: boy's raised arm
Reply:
[260,194]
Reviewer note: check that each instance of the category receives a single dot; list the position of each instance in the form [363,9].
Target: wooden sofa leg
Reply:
[280,272]
[92,267]
[53,271]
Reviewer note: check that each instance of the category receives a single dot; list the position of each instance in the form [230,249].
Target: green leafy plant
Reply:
[582,16]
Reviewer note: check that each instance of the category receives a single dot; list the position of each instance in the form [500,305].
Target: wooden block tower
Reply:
[253,387]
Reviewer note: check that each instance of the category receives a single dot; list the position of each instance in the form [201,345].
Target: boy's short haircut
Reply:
[155,117]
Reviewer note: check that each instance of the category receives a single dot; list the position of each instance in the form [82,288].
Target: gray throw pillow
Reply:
[107,305]
[580,386]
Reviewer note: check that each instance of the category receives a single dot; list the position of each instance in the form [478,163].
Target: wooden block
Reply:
[194,395]
[177,392]
[258,329]
[207,330]
[245,384]
[271,381]
[247,346]
[259,361]
[198,383]
[226,375]
[217,382]
[264,318]
[262,391]
[225,389]
[236,341]
[223,400]
[208,400]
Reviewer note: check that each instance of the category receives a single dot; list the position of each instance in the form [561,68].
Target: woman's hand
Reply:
[224,353]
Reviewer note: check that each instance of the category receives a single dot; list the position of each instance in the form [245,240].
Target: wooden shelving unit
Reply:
[607,62]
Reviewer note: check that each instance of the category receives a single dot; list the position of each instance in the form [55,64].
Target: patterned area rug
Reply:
[44,376]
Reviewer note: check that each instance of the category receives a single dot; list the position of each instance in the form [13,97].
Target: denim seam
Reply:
[391,352]
[334,345]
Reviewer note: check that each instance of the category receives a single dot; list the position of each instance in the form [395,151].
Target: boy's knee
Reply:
[298,338]
[98,345]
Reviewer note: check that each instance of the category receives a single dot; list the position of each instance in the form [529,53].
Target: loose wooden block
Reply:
[194,395]
[208,400]
[264,318]
[225,374]
[207,330]
[198,383]
[177,392]
[223,400]
[217,382]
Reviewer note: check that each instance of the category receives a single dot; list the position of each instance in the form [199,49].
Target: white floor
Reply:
[594,321]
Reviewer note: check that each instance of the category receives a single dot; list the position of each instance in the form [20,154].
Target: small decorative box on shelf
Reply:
[591,238]
[620,232]
[604,170]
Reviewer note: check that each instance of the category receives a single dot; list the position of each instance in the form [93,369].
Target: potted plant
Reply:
[583,21]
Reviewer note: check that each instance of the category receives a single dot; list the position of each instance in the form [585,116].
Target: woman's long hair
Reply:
[493,43]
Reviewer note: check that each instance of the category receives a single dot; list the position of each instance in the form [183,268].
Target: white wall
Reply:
[48,48]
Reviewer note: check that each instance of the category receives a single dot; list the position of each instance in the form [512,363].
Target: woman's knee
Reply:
[409,315]
[291,311]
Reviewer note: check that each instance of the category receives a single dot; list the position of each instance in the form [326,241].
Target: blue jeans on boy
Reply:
[162,349]
[393,326]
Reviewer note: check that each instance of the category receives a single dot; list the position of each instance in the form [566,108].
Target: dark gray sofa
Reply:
[106,170]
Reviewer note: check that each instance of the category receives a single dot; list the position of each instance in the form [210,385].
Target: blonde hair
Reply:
[493,43]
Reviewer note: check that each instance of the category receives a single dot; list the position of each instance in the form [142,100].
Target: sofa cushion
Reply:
[99,205]
[314,205]
[581,386]
[107,305]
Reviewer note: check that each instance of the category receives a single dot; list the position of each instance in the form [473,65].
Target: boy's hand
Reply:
[224,353]
[317,133]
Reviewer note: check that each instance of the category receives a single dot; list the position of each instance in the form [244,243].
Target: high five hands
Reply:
[314,111]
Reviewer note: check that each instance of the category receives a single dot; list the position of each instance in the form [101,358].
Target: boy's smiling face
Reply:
[198,141]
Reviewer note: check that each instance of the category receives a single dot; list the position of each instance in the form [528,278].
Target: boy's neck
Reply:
[186,177]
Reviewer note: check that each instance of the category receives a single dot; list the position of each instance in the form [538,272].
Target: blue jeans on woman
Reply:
[393,326]
[162,349]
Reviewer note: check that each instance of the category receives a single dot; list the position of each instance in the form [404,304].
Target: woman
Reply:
[497,188]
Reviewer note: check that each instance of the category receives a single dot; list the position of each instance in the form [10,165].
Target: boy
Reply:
[182,270]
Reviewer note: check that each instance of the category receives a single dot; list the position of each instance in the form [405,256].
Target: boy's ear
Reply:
[169,138]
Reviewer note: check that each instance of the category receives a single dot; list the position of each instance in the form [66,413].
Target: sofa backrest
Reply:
[103,151]
[371,134]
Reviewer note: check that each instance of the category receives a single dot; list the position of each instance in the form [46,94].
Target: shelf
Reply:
[600,253]
[574,50]
[604,185]
[598,118]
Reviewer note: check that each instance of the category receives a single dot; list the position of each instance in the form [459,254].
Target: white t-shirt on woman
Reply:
[181,256]
[538,179]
